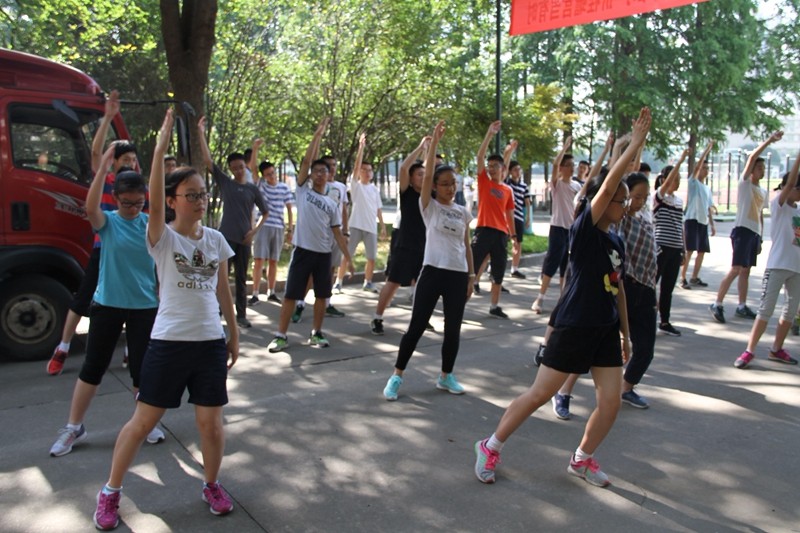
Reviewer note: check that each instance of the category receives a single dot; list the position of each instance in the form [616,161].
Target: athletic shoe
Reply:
[67,439]
[633,399]
[106,516]
[782,356]
[497,312]
[685,285]
[429,327]
[717,312]
[517,274]
[476,288]
[125,358]
[377,326]
[332,311]
[503,289]
[274,298]
[56,364]
[278,344]
[669,330]
[697,282]
[156,436]
[744,312]
[487,460]
[537,359]
[369,287]
[536,307]
[298,313]
[391,388]
[337,288]
[450,384]
[743,360]
[588,470]
[318,340]
[253,300]
[243,322]
[561,406]
[219,503]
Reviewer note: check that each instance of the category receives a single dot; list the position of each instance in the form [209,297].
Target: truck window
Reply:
[45,139]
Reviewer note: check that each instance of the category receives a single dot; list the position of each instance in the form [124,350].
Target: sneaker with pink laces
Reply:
[743,360]
[106,516]
[588,470]
[219,503]
[56,363]
[486,462]
[782,356]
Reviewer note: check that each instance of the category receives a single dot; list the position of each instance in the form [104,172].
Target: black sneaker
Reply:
[669,330]
[517,274]
[254,300]
[332,311]
[430,327]
[503,289]
[745,312]
[497,312]
[717,312]
[377,326]
[243,322]
[685,284]
[476,288]
[697,282]
[537,359]
[298,314]
[273,298]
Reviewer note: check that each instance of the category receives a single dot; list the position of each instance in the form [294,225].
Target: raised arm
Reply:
[674,175]
[257,144]
[208,161]
[362,142]
[598,165]
[494,129]
[619,147]
[430,163]
[405,177]
[509,152]
[751,160]
[560,156]
[97,218]
[791,181]
[111,110]
[155,225]
[700,161]
[311,152]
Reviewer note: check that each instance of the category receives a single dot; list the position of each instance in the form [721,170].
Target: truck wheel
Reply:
[33,309]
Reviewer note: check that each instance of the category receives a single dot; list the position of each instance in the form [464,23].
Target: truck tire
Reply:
[33,309]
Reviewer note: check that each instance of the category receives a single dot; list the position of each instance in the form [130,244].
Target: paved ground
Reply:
[312,445]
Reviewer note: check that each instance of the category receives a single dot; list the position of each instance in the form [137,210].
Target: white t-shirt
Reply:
[337,191]
[187,273]
[366,202]
[563,195]
[785,233]
[748,206]
[445,226]
[316,215]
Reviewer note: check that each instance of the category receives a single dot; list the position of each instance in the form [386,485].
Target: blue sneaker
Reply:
[561,406]
[633,399]
[392,386]
[450,384]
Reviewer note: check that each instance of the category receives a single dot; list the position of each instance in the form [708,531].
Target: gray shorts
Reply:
[268,243]
[774,279]
[369,239]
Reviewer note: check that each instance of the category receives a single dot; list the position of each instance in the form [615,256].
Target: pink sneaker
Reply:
[486,462]
[219,503]
[589,470]
[56,363]
[106,516]
[743,360]
[782,356]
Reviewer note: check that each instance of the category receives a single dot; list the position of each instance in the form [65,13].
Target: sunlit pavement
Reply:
[313,446]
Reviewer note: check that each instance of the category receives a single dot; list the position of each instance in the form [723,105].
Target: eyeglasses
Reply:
[129,204]
[194,197]
[625,203]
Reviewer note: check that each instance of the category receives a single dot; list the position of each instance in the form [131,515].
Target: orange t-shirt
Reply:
[495,200]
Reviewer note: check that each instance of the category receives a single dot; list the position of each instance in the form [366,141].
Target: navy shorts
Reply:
[696,236]
[519,229]
[557,252]
[746,247]
[306,263]
[576,350]
[171,367]
[405,266]
[491,242]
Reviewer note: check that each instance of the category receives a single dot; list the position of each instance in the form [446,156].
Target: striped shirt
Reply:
[275,197]
[668,216]
[640,249]
[520,190]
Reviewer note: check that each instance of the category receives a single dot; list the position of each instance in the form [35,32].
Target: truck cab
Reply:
[49,113]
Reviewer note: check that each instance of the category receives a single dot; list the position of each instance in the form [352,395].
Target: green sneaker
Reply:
[318,340]
[278,344]
[332,311]
[298,313]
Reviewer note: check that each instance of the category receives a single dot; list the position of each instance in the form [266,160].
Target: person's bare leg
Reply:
[495,293]
[319,313]
[130,439]
[387,293]
[272,274]
[82,397]
[70,325]
[258,264]
[569,384]
[685,265]
[743,284]
[607,382]
[698,264]
[368,270]
[758,329]
[546,384]
[726,282]
[212,440]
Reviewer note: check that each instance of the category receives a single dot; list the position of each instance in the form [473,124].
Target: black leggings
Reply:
[432,283]
[669,265]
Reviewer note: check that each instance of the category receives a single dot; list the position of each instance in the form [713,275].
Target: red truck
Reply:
[48,116]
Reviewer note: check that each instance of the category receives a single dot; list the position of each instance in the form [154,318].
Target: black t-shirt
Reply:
[411,235]
[596,260]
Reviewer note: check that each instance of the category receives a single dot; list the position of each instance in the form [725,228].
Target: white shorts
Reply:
[268,243]
[774,279]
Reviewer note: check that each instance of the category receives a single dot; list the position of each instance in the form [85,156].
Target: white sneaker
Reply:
[156,436]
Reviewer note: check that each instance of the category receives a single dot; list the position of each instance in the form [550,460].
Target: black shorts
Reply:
[519,229]
[696,236]
[746,247]
[555,260]
[171,367]
[306,263]
[405,266]
[576,350]
[491,242]
[82,300]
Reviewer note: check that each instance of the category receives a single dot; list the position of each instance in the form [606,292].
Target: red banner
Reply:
[531,16]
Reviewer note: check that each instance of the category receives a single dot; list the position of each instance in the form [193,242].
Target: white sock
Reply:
[581,455]
[494,443]
[327,302]
[255,292]
[301,304]
[63,346]
[376,316]
[338,281]
[741,306]
[110,490]
[718,304]
[74,427]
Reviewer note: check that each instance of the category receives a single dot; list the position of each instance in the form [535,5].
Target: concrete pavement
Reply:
[313,446]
